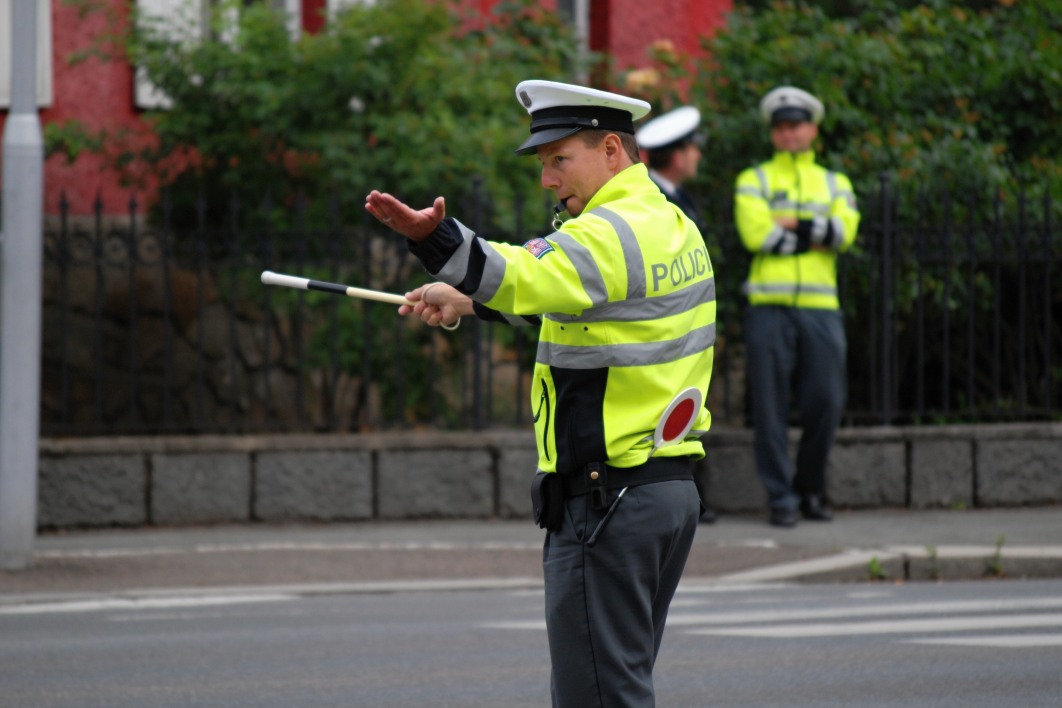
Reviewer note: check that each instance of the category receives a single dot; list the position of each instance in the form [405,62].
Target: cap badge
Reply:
[525,99]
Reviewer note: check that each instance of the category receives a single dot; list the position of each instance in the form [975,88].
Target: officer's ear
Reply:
[613,148]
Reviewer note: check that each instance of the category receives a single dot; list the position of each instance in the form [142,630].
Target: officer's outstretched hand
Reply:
[414,225]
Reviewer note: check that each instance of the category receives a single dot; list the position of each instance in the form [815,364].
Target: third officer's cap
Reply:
[559,110]
[788,104]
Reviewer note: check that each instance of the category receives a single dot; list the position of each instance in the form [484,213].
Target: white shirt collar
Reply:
[666,185]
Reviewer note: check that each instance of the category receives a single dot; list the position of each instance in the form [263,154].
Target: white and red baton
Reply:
[291,281]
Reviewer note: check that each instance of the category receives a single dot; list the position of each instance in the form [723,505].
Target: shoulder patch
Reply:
[538,247]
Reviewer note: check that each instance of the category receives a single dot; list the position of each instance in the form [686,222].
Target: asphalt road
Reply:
[962,644]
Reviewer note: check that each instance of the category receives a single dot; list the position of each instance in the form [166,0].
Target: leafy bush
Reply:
[927,92]
[402,95]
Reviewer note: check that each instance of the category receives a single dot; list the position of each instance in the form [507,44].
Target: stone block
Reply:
[867,475]
[732,481]
[91,490]
[941,474]
[1019,471]
[442,483]
[313,486]
[516,468]
[200,488]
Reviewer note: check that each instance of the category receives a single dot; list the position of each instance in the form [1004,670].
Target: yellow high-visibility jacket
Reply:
[626,295]
[796,268]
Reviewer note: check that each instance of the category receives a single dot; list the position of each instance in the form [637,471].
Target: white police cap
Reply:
[792,105]
[677,126]
[559,110]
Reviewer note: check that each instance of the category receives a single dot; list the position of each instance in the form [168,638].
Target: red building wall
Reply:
[99,93]
[625,28]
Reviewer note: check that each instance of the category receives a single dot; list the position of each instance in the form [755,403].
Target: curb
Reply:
[914,563]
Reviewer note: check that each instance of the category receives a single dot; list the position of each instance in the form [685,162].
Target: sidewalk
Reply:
[404,556]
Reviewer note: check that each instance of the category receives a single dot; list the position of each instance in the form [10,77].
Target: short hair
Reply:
[660,158]
[593,138]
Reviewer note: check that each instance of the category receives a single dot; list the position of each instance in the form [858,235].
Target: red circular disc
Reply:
[678,417]
[678,423]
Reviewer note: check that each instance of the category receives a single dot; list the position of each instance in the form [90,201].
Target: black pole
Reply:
[886,302]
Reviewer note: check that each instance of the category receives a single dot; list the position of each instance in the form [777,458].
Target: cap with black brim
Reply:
[560,110]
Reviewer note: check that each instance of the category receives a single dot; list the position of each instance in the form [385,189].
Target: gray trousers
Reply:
[801,349]
[606,603]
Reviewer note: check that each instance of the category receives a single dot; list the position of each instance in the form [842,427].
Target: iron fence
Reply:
[162,326]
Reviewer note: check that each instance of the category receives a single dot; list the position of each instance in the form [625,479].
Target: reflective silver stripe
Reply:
[515,320]
[640,354]
[648,308]
[762,177]
[632,251]
[455,269]
[585,265]
[818,229]
[785,204]
[789,289]
[838,231]
[773,238]
[836,191]
[751,191]
[831,182]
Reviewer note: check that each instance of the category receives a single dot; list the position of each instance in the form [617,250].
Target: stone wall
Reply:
[99,482]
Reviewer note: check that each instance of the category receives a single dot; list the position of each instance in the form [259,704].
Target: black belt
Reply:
[662,469]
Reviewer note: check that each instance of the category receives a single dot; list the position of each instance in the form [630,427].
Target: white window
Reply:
[334,6]
[44,53]
[186,21]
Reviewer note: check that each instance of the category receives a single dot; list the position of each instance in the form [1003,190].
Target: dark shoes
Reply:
[786,518]
[813,508]
[708,516]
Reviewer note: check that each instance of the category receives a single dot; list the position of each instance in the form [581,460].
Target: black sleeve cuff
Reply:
[434,251]
[803,232]
[485,313]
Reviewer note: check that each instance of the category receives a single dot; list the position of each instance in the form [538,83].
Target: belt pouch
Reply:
[547,500]
[597,483]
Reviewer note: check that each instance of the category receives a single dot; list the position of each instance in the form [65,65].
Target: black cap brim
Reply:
[791,114]
[543,137]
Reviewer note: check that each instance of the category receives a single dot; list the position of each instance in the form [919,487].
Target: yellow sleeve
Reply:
[752,212]
[845,211]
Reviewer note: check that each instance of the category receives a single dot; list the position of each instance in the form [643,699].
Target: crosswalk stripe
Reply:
[121,603]
[950,624]
[907,608]
[1011,641]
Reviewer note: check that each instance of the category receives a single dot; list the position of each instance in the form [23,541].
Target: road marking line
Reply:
[127,603]
[531,624]
[285,546]
[951,624]
[907,608]
[1012,641]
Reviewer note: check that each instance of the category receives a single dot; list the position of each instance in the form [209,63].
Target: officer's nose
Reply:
[549,180]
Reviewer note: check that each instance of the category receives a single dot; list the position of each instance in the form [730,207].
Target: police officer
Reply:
[795,217]
[672,144]
[624,294]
